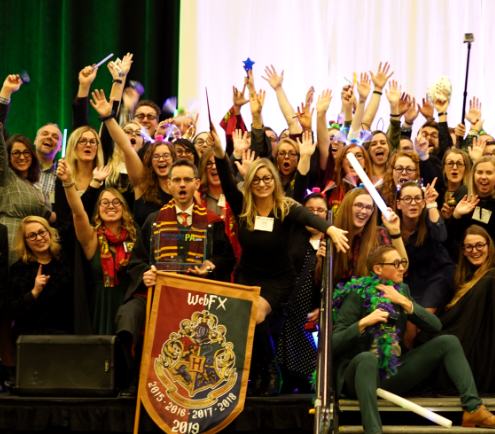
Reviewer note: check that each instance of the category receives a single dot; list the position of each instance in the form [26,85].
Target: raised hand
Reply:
[273,78]
[247,160]
[348,99]
[392,226]
[476,151]
[404,103]
[239,98]
[364,86]
[310,95]
[421,146]
[64,172]
[412,112]
[40,282]
[381,77]
[460,130]
[427,109]
[214,141]
[126,63]
[11,84]
[323,101]
[474,114]
[430,193]
[241,142]
[393,94]
[86,76]
[304,116]
[339,239]
[100,103]
[257,101]
[130,98]
[249,81]
[307,147]
[102,173]
[465,206]
[441,105]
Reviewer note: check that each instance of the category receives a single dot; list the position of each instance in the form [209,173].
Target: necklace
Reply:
[42,198]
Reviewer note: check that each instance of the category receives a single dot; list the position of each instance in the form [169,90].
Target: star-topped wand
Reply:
[248,66]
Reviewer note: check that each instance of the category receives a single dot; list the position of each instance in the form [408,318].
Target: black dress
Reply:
[265,259]
[52,312]
[472,321]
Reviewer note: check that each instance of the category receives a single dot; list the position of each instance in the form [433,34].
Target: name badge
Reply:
[51,196]
[128,245]
[482,215]
[263,224]
[221,201]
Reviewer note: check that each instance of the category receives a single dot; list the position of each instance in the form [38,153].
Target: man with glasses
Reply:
[181,212]
[147,113]
[367,342]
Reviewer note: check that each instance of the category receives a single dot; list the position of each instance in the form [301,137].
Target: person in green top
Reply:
[107,246]
[370,317]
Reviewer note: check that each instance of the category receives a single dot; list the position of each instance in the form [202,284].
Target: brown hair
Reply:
[465,159]
[33,174]
[471,185]
[467,274]
[148,103]
[23,249]
[149,184]
[422,227]
[367,145]
[377,255]
[203,177]
[127,220]
[344,221]
[389,188]
[339,173]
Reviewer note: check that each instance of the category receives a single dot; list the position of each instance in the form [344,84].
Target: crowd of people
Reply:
[74,233]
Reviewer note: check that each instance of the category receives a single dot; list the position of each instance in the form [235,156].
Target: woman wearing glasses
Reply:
[358,215]
[403,167]
[266,219]
[107,247]
[20,193]
[186,151]
[469,315]
[456,169]
[40,282]
[431,271]
[148,177]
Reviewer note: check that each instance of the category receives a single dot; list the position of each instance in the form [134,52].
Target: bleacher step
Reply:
[414,430]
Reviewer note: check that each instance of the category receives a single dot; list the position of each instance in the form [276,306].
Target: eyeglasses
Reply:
[267,179]
[359,156]
[84,142]
[361,207]
[105,203]
[201,142]
[181,152]
[287,154]
[141,116]
[17,154]
[409,199]
[400,169]
[489,155]
[425,134]
[451,163]
[186,180]
[317,210]
[33,236]
[478,246]
[130,132]
[159,157]
[210,164]
[397,263]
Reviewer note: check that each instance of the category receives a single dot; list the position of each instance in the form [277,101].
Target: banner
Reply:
[197,354]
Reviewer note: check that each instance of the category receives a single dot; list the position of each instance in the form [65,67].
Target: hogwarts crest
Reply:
[197,364]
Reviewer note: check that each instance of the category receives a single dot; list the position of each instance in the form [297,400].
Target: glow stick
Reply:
[380,203]
[103,61]
[411,406]
[186,116]
[64,143]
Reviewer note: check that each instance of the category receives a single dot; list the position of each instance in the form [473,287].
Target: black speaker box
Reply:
[68,365]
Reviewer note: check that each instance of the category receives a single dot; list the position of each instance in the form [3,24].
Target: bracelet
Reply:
[69,185]
[394,116]
[4,100]
[394,237]
[377,92]
[441,114]
[106,118]
[409,123]
[97,180]
[430,119]
[117,80]
[431,205]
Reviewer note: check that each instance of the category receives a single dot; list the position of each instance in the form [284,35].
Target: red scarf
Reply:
[108,265]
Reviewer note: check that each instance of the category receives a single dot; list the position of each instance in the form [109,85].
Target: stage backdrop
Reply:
[318,43]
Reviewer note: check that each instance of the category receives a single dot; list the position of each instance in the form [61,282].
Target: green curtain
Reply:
[54,39]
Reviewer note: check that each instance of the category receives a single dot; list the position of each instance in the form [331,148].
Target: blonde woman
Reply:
[40,282]
[107,247]
[470,315]
[266,219]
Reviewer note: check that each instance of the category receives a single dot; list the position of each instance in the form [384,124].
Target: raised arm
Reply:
[321,126]
[393,96]
[445,141]
[11,84]
[80,116]
[275,81]
[363,89]
[86,235]
[379,81]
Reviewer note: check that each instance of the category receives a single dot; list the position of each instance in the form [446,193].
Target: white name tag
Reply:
[263,224]
[482,215]
[221,201]
[51,196]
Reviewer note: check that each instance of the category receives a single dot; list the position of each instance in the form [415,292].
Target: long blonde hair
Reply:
[71,154]
[127,220]
[471,185]
[280,204]
[203,177]
[24,251]
[467,274]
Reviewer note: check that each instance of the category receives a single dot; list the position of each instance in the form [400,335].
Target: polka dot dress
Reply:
[296,348]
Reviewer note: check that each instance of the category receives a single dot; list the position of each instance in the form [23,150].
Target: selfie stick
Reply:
[469,39]
[380,203]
